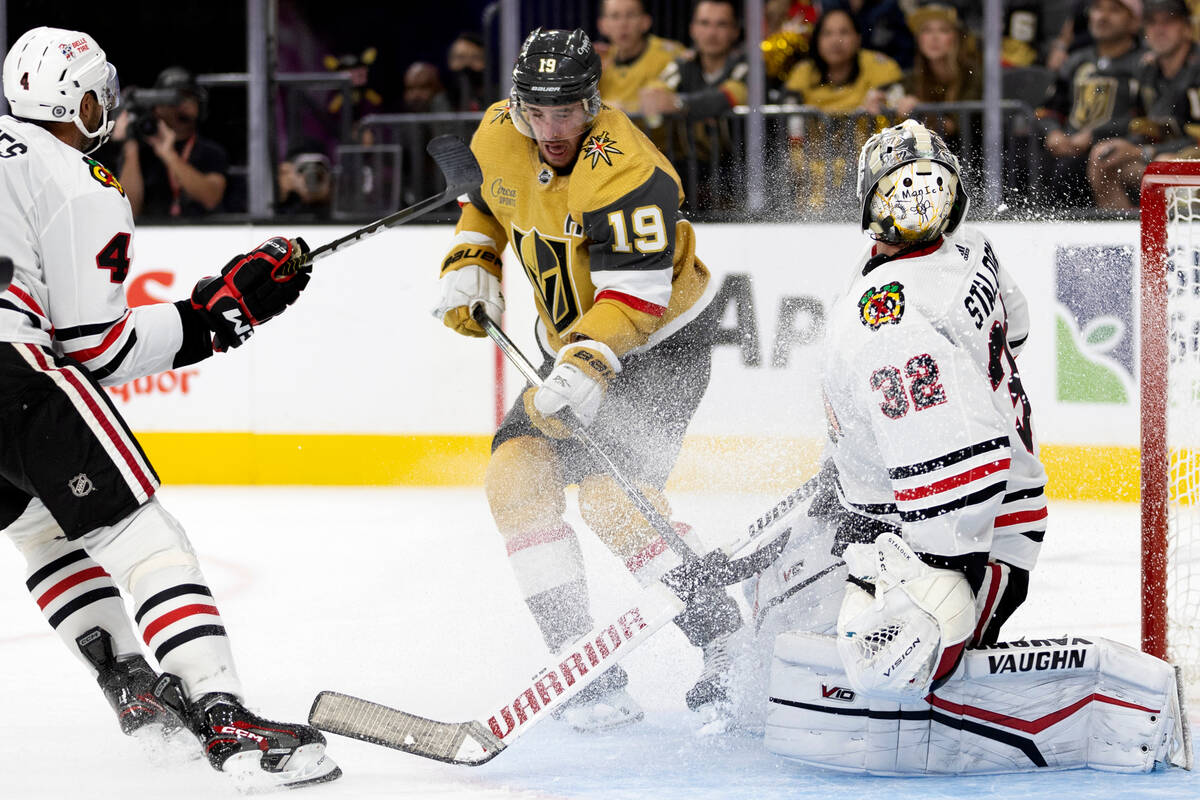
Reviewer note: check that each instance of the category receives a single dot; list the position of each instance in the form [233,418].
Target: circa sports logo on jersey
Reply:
[102,175]
[600,147]
[547,263]
[882,306]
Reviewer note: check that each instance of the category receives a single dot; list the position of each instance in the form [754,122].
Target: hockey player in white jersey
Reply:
[77,494]
[933,495]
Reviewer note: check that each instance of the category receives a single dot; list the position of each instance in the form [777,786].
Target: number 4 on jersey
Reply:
[114,257]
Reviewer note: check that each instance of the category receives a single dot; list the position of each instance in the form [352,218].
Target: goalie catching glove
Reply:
[251,289]
[907,638]
[470,277]
[578,381]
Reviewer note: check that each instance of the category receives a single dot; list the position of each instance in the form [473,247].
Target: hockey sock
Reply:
[149,554]
[76,594]
[548,566]
[622,527]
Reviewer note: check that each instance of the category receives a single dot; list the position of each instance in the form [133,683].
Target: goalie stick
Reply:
[6,272]
[651,514]
[475,741]
[461,171]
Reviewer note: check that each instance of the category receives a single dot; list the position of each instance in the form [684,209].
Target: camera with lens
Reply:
[139,105]
[314,169]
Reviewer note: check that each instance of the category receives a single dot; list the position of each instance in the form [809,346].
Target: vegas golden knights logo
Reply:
[547,263]
[1095,97]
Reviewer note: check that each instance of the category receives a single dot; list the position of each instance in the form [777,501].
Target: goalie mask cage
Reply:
[1170,414]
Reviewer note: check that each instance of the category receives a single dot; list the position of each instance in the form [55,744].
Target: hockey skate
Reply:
[603,706]
[710,697]
[259,754]
[128,685]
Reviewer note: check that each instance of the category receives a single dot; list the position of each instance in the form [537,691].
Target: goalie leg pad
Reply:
[1022,706]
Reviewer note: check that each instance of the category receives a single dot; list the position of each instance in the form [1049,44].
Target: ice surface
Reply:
[405,597]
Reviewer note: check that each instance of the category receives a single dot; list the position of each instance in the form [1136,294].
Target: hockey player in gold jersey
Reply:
[591,211]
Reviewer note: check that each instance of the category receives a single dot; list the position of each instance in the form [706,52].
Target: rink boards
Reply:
[359,384]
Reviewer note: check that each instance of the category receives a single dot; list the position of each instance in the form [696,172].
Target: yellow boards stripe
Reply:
[707,463]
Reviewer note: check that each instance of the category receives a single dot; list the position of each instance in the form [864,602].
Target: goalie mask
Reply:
[560,69]
[49,70]
[908,183]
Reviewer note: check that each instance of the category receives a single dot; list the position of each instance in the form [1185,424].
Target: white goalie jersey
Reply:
[69,231]
[931,429]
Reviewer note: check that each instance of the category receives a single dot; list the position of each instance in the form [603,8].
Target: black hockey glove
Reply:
[251,289]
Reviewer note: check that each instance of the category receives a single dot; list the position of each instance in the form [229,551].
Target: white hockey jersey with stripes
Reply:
[930,425]
[66,224]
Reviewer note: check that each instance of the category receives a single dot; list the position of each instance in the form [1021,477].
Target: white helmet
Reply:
[49,70]
[909,185]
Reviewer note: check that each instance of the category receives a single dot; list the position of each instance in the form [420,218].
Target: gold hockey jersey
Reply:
[620,82]
[603,246]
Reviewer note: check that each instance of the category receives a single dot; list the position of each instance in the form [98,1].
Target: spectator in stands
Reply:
[709,79]
[635,57]
[1167,121]
[305,183]
[946,69]
[703,84]
[1092,99]
[174,171]
[881,25]
[787,37]
[423,92]
[466,60]
[841,78]
[1073,33]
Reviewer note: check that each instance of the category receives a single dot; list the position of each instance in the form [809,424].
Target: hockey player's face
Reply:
[558,130]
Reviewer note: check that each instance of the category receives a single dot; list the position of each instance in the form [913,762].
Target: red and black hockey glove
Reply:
[251,289]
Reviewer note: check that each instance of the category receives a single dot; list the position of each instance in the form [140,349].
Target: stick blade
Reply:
[465,743]
[457,163]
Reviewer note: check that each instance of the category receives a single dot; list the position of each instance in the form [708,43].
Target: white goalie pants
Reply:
[1023,706]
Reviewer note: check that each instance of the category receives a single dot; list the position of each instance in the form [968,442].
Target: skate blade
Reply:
[584,723]
[307,765]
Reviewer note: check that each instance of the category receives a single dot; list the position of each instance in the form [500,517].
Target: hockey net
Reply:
[1170,415]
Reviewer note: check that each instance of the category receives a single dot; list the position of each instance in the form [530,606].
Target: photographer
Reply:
[305,183]
[166,167]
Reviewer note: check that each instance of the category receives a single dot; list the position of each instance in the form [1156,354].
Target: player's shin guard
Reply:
[1014,707]
[150,556]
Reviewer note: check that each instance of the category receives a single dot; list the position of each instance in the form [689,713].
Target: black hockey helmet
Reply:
[555,68]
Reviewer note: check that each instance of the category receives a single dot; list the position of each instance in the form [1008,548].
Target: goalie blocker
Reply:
[1022,706]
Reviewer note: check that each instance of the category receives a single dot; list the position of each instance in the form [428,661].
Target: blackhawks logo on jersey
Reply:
[547,263]
[882,306]
[102,175]
[600,147]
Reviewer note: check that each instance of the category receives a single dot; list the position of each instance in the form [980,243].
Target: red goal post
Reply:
[1170,410]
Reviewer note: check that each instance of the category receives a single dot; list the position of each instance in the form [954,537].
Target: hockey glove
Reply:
[251,289]
[578,381]
[470,277]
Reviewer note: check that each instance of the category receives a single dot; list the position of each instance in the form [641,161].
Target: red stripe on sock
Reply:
[176,615]
[66,583]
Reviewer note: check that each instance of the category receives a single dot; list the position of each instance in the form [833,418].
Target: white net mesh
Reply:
[1183,431]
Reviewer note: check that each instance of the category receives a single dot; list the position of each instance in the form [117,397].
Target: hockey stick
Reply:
[476,742]
[635,495]
[6,272]
[461,171]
